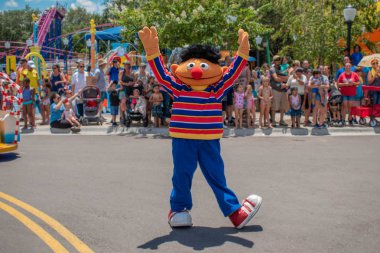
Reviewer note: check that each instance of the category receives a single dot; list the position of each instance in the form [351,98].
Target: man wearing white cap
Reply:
[32,74]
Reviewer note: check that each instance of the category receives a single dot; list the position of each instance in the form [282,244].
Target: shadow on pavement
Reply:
[8,157]
[200,238]
[299,131]
[27,130]
[320,131]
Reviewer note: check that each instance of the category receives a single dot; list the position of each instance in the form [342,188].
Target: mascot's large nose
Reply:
[196,73]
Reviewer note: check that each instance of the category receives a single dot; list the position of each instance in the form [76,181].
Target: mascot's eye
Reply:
[190,65]
[204,66]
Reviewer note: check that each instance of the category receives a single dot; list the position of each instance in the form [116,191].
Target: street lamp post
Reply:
[258,42]
[349,15]
[89,44]
[266,45]
[65,42]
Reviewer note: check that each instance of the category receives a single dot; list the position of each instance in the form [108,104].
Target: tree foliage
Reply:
[16,25]
[77,21]
[181,22]
[311,29]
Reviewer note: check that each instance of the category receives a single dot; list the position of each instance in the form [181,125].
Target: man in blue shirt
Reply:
[346,60]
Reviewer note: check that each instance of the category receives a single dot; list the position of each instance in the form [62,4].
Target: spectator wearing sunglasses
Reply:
[56,110]
[374,79]
[78,82]
[57,79]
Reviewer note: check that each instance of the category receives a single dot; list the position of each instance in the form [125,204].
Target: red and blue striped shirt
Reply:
[196,114]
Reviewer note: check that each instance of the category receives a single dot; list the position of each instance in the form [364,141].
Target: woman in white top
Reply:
[78,82]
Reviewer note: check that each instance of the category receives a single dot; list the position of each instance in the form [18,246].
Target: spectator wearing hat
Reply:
[374,80]
[31,74]
[23,65]
[142,74]
[278,83]
[101,81]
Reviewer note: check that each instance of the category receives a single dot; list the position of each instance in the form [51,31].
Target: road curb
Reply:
[228,132]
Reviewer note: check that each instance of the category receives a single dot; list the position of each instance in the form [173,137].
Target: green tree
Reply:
[77,21]
[16,25]
[181,22]
[311,29]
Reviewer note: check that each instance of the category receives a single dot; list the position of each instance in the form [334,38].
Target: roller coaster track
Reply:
[43,27]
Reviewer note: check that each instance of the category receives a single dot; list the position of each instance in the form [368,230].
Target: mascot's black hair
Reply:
[200,51]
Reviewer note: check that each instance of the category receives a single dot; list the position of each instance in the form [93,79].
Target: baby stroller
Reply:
[91,105]
[136,112]
[372,110]
[335,102]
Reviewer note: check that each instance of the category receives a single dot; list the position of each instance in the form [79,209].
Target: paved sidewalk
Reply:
[138,130]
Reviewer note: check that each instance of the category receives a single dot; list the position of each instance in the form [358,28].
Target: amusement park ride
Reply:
[47,44]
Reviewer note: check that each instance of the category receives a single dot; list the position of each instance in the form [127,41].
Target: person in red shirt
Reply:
[347,83]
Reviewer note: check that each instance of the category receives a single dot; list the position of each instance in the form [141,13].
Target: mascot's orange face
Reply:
[198,73]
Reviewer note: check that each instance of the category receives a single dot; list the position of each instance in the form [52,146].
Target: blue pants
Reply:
[186,155]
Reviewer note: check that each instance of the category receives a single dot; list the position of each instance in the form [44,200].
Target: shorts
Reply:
[46,102]
[295,113]
[103,95]
[230,98]
[224,106]
[348,98]
[114,110]
[314,90]
[302,99]
[280,101]
[157,111]
[29,102]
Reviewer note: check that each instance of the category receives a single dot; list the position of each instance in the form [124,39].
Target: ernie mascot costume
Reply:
[197,86]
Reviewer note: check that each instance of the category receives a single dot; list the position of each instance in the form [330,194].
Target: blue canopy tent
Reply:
[112,34]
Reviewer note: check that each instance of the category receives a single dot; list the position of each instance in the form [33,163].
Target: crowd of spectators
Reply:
[292,88]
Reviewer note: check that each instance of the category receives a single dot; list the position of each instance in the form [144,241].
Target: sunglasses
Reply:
[80,66]
[373,63]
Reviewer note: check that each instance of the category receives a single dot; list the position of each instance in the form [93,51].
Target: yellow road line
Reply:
[40,232]
[64,232]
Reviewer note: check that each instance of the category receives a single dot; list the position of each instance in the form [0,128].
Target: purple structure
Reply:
[49,31]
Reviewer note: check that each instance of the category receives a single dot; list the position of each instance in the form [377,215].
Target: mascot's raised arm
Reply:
[197,86]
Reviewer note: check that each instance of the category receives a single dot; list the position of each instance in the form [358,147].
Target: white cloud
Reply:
[88,5]
[73,6]
[11,3]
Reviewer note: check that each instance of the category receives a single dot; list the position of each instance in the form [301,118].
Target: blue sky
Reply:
[90,5]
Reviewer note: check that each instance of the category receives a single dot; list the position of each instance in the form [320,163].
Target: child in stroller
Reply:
[91,105]
[136,110]
[335,104]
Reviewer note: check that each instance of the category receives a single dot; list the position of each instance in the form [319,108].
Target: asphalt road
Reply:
[320,194]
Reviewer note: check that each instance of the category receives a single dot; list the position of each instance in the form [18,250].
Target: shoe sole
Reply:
[181,226]
[250,216]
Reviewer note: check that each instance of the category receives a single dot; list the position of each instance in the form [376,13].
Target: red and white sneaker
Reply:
[180,219]
[245,213]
